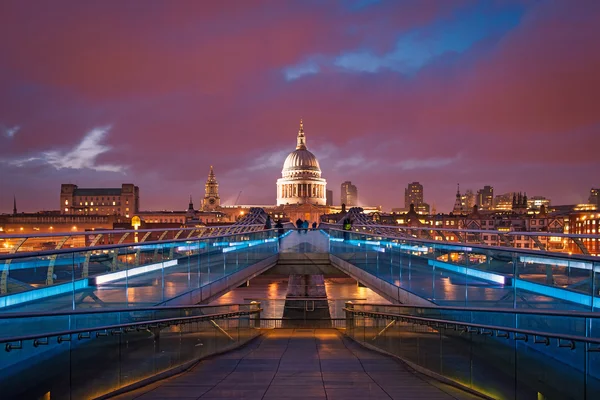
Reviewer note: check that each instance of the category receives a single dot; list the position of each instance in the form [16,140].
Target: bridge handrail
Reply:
[120,327]
[484,231]
[117,245]
[478,245]
[491,328]
[548,313]
[42,314]
[119,231]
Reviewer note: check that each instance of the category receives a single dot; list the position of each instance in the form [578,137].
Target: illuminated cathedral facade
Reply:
[301,181]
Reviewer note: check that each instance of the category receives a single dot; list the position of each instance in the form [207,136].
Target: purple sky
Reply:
[98,93]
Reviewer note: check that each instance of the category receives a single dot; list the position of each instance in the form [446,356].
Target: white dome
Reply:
[301,161]
[301,181]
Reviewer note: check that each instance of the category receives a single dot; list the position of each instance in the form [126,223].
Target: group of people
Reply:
[302,226]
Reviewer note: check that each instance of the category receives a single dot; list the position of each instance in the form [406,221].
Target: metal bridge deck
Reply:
[300,364]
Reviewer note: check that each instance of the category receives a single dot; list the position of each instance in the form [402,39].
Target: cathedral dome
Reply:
[301,160]
[301,181]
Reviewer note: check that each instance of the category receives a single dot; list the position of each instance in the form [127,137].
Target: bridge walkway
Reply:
[307,364]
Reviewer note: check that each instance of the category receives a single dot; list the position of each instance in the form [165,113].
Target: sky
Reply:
[503,93]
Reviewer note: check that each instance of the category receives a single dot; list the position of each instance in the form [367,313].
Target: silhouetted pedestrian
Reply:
[280,231]
[347,228]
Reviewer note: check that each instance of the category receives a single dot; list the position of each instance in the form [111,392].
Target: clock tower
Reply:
[211,199]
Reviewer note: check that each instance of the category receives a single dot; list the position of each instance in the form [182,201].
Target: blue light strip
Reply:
[558,262]
[475,273]
[557,293]
[42,293]
[249,243]
[99,280]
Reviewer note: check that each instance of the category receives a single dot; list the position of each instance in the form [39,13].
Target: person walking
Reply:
[305,226]
[347,228]
[268,222]
[280,231]
[299,225]
[314,226]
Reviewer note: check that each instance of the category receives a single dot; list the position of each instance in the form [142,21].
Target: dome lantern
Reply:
[301,141]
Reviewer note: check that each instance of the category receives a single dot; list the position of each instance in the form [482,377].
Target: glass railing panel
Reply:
[517,366]
[471,275]
[99,363]
[304,241]
[592,371]
[596,286]
[138,274]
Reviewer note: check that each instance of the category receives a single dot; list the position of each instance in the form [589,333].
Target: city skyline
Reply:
[481,93]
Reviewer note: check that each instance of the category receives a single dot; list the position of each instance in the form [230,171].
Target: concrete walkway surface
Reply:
[319,364]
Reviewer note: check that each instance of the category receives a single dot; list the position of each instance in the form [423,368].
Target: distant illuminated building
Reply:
[536,202]
[467,200]
[585,223]
[458,204]
[329,196]
[594,196]
[211,200]
[100,201]
[503,202]
[349,195]
[413,194]
[485,198]
[519,203]
[301,181]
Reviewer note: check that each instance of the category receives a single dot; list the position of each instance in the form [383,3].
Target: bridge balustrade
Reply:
[474,275]
[147,273]
[127,347]
[522,361]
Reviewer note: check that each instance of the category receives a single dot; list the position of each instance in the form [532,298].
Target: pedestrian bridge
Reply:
[501,322]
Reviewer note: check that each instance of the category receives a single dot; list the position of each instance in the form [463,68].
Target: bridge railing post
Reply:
[349,318]
[255,305]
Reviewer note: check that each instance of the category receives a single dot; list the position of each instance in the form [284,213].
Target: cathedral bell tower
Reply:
[211,199]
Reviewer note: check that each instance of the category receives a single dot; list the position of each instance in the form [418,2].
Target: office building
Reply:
[349,194]
[536,202]
[485,198]
[413,194]
[329,201]
[100,201]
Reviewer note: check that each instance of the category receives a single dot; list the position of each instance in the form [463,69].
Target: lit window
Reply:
[66,202]
[114,203]
[86,203]
[66,209]
[92,203]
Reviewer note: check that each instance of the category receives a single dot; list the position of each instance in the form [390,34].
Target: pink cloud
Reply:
[184,88]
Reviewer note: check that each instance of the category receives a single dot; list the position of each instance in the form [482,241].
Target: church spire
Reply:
[14,205]
[191,205]
[301,141]
[457,203]
[211,192]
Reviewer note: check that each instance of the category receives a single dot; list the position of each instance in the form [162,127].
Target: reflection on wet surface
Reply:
[271,291]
